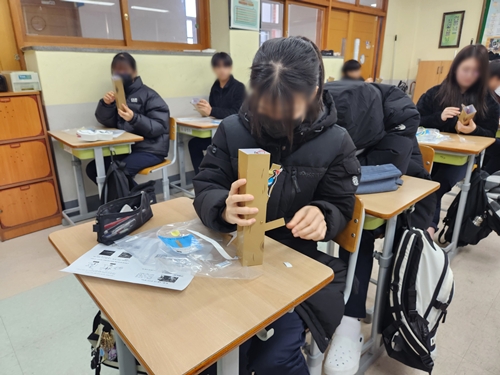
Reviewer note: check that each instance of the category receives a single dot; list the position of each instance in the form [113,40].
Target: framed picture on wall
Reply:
[244,14]
[451,29]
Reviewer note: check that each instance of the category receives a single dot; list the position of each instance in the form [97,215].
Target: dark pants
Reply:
[447,176]
[136,161]
[281,354]
[196,148]
[492,158]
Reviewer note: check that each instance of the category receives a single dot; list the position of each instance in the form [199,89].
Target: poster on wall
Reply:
[451,29]
[489,29]
[245,14]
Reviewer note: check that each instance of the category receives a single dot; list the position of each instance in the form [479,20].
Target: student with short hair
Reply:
[145,114]
[492,156]
[466,83]
[290,116]
[226,97]
[351,70]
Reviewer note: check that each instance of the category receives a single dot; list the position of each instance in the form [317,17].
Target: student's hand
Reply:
[369,80]
[308,223]
[126,113]
[233,213]
[450,112]
[465,129]
[109,98]
[204,108]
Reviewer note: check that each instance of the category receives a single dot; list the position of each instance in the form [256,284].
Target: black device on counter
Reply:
[327,52]
[4,87]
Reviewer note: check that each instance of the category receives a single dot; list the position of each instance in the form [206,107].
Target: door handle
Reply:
[15,145]
[4,100]
[27,187]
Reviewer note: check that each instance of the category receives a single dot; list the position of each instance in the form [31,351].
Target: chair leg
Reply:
[166,184]
[314,358]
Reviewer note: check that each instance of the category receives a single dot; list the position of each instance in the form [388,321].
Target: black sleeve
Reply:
[106,114]
[236,101]
[488,126]
[155,120]
[335,193]
[213,182]
[430,116]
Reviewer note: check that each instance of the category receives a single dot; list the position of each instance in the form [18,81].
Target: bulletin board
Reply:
[489,32]
[244,14]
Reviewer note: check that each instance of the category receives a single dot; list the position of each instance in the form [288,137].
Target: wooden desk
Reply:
[83,150]
[172,332]
[388,206]
[461,149]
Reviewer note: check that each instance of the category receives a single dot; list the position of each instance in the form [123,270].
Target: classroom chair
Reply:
[427,157]
[349,239]
[163,166]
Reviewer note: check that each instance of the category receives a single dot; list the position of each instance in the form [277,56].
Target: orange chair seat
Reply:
[156,167]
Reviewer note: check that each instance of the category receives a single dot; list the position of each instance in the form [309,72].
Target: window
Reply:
[305,21]
[372,3]
[159,24]
[348,1]
[271,20]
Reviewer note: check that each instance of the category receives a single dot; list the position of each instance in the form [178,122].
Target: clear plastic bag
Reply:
[189,247]
[431,136]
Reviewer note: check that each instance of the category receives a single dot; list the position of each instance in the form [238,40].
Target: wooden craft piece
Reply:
[119,91]
[253,165]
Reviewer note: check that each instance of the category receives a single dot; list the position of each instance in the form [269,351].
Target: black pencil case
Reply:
[111,224]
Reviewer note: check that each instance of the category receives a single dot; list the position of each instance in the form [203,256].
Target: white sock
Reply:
[349,327]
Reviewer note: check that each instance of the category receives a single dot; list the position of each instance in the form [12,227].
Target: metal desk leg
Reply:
[229,364]
[452,247]
[126,360]
[372,348]
[182,162]
[101,169]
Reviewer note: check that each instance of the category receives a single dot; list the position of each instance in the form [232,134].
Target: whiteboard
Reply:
[490,26]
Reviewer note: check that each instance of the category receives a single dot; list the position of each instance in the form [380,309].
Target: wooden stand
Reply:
[253,165]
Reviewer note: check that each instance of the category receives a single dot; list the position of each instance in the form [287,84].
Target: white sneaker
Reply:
[343,356]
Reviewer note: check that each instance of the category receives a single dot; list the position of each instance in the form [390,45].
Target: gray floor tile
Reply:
[9,365]
[6,348]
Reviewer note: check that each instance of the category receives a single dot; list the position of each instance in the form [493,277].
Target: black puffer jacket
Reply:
[321,169]
[151,118]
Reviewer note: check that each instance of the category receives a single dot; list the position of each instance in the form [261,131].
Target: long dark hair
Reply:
[449,94]
[281,68]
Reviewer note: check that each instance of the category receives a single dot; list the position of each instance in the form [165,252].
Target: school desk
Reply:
[171,332]
[387,206]
[82,150]
[459,150]
[202,127]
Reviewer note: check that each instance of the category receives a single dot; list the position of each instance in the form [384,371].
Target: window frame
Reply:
[25,40]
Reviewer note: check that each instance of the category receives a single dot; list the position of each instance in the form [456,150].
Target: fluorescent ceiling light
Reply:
[374,5]
[149,9]
[105,3]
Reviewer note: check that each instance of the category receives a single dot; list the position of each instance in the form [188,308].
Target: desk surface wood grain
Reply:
[203,123]
[463,144]
[71,139]
[173,332]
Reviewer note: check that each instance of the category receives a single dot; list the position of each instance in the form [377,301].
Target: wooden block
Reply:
[253,165]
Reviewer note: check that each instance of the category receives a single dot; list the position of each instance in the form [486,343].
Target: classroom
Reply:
[238,187]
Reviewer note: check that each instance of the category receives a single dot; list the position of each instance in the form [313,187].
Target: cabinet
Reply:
[430,73]
[29,194]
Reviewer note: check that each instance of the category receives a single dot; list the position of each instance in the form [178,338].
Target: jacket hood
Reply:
[136,85]
[306,131]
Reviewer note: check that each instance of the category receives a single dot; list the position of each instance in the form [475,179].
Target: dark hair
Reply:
[281,68]
[350,66]
[126,58]
[221,58]
[495,69]
[449,94]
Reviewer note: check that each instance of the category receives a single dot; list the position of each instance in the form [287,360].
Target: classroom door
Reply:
[9,59]
[337,30]
[362,41]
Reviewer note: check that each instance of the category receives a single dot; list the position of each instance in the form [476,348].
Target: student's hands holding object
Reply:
[465,129]
[450,112]
[308,223]
[204,107]
[109,98]
[126,113]
[234,213]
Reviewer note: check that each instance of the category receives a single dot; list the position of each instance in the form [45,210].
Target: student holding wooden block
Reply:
[314,176]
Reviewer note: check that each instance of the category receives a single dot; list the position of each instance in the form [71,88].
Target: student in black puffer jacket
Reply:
[289,116]
[146,114]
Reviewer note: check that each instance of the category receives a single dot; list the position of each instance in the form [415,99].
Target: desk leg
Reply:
[373,347]
[82,209]
[182,162]
[452,247]
[101,170]
[229,364]
[126,360]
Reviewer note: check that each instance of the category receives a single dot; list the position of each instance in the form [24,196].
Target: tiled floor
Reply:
[45,315]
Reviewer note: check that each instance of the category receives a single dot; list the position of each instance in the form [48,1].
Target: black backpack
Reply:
[475,223]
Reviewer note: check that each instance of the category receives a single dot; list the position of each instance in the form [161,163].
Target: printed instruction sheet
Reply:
[113,263]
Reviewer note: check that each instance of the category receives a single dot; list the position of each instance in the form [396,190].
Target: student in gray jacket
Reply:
[145,114]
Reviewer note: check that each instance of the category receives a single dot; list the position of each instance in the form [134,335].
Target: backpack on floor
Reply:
[103,346]
[492,187]
[475,223]
[421,289]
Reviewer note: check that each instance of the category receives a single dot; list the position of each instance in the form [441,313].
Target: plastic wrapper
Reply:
[189,247]
[431,136]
